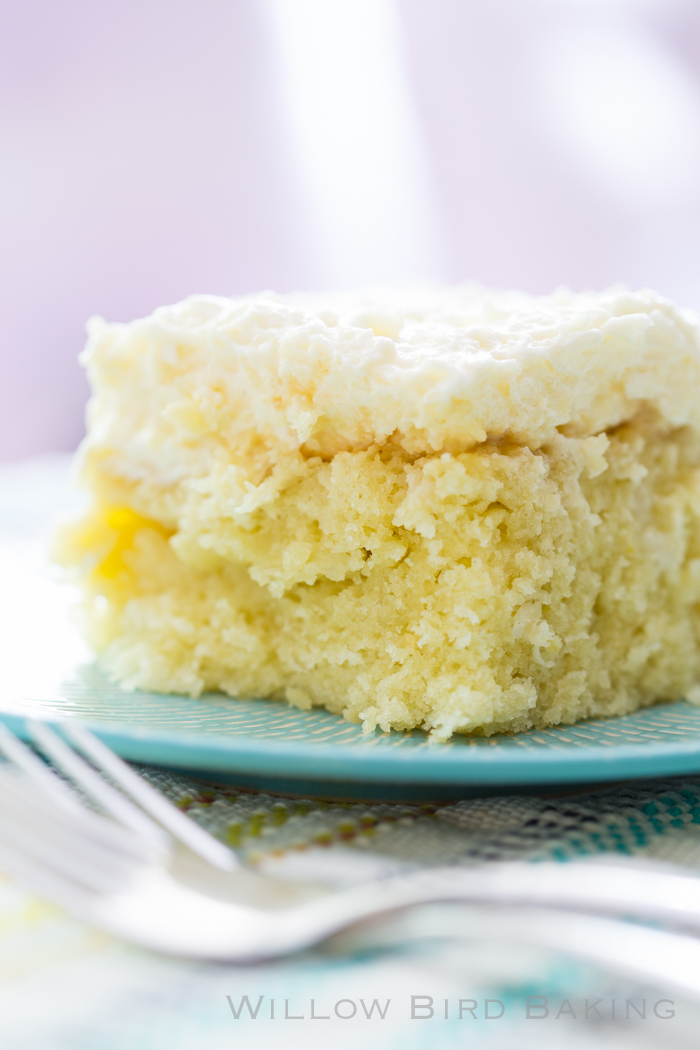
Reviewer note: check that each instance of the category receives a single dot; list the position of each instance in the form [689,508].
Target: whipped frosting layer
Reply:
[426,369]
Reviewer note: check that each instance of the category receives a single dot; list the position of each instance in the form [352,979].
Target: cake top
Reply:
[429,369]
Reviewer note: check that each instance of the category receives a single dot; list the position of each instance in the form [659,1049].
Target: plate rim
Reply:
[468,766]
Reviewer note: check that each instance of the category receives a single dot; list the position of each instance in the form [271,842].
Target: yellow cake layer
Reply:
[490,589]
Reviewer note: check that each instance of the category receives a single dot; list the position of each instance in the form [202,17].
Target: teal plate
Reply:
[268,745]
[47,674]
[263,744]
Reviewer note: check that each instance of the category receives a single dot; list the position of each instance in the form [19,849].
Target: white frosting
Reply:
[430,369]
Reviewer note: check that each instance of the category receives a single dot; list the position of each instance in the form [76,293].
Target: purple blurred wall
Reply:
[142,160]
[147,152]
[565,139]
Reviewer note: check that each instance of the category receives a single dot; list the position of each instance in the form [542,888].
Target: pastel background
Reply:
[154,148]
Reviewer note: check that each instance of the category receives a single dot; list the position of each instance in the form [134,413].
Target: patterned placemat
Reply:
[658,818]
[66,987]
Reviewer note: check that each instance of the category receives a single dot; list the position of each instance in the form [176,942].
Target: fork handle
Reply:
[660,894]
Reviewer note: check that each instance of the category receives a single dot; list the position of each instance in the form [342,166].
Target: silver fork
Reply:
[143,871]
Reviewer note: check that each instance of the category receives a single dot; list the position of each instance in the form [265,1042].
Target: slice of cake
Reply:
[446,508]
